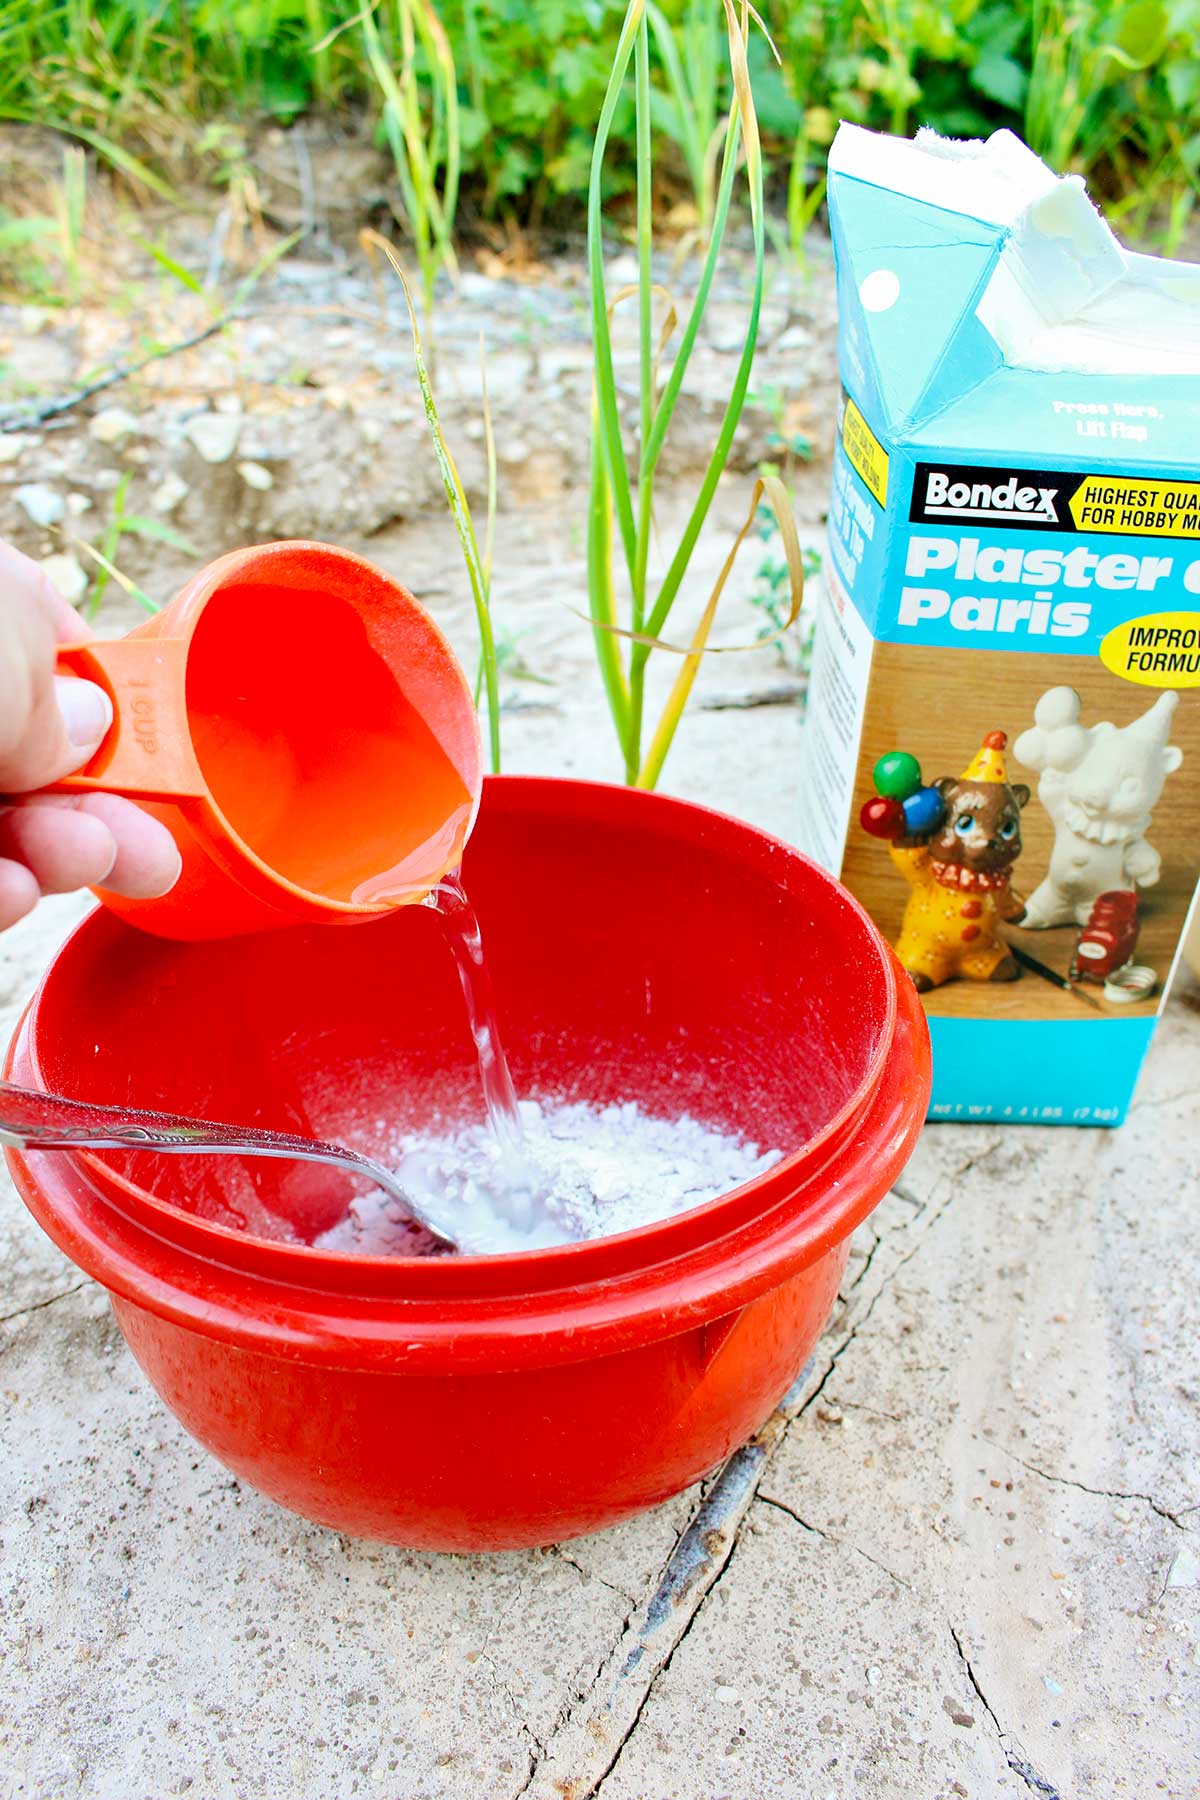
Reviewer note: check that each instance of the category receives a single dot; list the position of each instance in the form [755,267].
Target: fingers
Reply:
[49,724]
[66,841]
[20,574]
[62,848]
[64,722]
[148,862]
[19,893]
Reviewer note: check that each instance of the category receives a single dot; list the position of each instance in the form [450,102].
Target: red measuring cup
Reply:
[302,727]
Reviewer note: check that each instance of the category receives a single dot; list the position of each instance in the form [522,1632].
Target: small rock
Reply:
[372,430]
[67,577]
[724,1692]
[831,1414]
[12,443]
[214,436]
[1185,1569]
[112,425]
[78,504]
[564,360]
[228,403]
[169,492]
[476,286]
[256,476]
[794,338]
[41,503]
[874,1675]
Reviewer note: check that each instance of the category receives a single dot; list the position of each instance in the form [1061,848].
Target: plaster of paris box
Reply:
[1002,749]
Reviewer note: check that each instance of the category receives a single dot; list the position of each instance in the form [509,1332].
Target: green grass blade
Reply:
[129,165]
[263,266]
[693,143]
[456,499]
[606,387]
[158,532]
[175,269]
[674,384]
[601,597]
[743,108]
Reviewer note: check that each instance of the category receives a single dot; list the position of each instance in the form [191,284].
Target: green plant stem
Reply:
[600,591]
[674,384]
[646,368]
[606,387]
[720,456]
[417,151]
[694,145]
[477,573]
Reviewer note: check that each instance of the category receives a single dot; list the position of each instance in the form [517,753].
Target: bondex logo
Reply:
[1033,498]
[976,499]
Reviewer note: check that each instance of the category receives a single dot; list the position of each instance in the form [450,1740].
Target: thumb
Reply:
[64,730]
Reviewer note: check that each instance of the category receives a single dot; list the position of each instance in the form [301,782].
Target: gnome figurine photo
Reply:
[1098,783]
[955,842]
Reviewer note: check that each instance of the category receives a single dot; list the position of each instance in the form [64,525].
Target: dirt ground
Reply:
[961,1561]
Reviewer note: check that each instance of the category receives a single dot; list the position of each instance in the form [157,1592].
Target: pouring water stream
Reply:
[449,900]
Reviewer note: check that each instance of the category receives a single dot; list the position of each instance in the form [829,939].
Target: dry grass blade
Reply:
[335,32]
[110,568]
[774,491]
[666,330]
[739,68]
[489,441]
[374,244]
[777,496]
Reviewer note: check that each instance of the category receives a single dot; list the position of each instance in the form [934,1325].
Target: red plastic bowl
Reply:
[641,947]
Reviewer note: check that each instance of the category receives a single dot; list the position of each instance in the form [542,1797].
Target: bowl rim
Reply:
[440,1335]
[658,1247]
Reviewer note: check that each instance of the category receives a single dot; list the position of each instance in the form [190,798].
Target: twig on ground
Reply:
[40,415]
[784,693]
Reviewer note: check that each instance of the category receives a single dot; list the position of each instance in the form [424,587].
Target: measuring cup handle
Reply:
[147,754]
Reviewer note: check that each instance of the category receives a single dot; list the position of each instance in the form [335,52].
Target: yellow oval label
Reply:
[1161,650]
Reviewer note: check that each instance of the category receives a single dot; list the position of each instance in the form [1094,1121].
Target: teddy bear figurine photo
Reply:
[1099,784]
[955,842]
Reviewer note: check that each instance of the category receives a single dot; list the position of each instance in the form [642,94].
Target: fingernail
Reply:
[86,710]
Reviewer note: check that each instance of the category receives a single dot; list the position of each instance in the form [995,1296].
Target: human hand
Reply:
[51,724]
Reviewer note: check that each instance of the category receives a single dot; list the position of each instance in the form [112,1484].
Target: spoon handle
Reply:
[30,1120]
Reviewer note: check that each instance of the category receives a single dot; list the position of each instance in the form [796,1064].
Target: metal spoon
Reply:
[30,1120]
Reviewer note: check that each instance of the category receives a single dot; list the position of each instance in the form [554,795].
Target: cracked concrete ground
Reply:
[961,1560]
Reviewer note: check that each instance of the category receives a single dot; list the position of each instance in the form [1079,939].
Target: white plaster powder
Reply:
[578,1171]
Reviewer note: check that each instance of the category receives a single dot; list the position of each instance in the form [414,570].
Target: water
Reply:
[581,1171]
[537,1174]
[449,900]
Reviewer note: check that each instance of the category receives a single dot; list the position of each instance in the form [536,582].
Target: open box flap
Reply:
[976,290]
